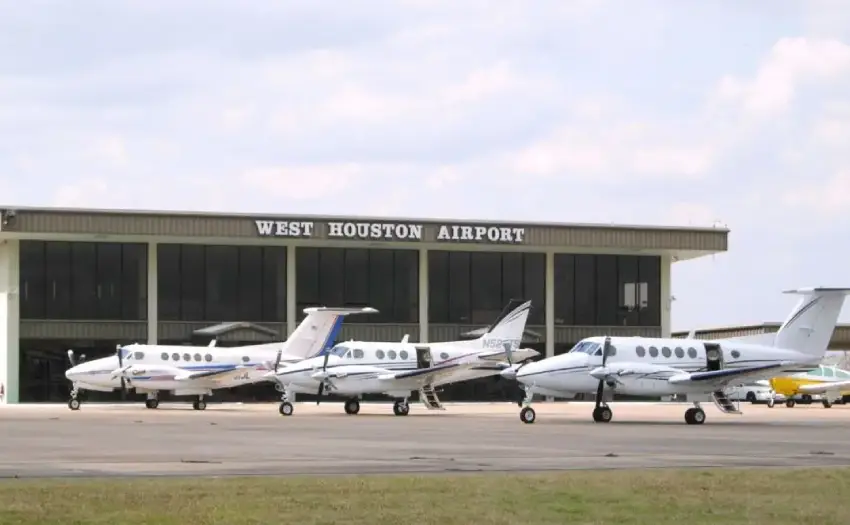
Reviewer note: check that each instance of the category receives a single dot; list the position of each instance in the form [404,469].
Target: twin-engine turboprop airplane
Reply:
[698,368]
[198,370]
[355,368]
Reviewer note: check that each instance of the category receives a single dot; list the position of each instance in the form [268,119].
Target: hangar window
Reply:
[736,354]
[208,358]
[175,356]
[653,352]
[197,357]
[164,356]
[358,354]
[444,356]
[403,354]
[679,352]
[139,355]
[245,358]
[641,351]
[692,353]
[379,354]
[391,354]
[187,357]
[666,352]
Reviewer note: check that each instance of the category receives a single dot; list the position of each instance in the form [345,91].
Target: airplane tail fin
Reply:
[315,335]
[810,324]
[507,328]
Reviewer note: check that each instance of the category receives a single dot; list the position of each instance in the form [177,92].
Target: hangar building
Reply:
[90,279]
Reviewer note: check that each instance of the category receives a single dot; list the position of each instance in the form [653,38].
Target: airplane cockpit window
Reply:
[828,371]
[842,374]
[348,355]
[578,347]
[338,350]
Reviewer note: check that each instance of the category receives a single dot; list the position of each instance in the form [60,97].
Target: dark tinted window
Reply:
[486,286]
[84,294]
[108,280]
[585,290]
[649,273]
[629,289]
[58,272]
[438,287]
[134,281]
[33,287]
[460,291]
[222,283]
[534,286]
[387,280]
[564,289]
[607,295]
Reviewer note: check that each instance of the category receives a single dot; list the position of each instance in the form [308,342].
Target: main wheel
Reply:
[694,416]
[527,415]
[286,408]
[74,403]
[199,405]
[770,402]
[352,407]
[602,414]
[826,403]
[401,409]
[790,403]
[151,403]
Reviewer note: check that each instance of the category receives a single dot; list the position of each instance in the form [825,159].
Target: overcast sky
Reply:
[647,111]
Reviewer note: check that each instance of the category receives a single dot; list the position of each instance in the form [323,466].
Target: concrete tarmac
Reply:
[232,439]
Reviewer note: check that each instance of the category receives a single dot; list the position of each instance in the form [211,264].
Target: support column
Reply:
[550,308]
[153,294]
[423,295]
[291,290]
[10,259]
[666,298]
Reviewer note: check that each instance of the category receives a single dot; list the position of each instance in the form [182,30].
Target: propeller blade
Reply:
[277,361]
[71,358]
[509,353]
[319,395]
[325,364]
[605,348]
[121,366]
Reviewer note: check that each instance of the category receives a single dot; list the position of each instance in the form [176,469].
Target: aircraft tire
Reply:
[286,408]
[199,405]
[694,416]
[602,414]
[527,415]
[74,404]
[826,403]
[151,403]
[400,409]
[790,403]
[770,403]
[352,407]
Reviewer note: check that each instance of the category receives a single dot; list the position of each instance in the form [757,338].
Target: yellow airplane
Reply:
[831,382]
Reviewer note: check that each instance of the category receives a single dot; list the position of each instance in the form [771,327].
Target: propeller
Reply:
[324,379]
[277,360]
[602,376]
[121,369]
[73,361]
[509,353]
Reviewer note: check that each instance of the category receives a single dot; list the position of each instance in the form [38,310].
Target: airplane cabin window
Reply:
[391,354]
[379,354]
[692,353]
[164,356]
[358,354]
[444,356]
[139,355]
[197,357]
[666,352]
[208,358]
[679,352]
[653,352]
[245,358]
[736,354]
[175,356]
[187,357]
[641,351]
[403,354]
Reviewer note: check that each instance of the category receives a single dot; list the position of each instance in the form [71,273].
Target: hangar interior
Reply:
[89,280]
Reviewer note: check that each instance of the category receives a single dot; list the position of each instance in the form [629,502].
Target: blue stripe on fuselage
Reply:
[332,335]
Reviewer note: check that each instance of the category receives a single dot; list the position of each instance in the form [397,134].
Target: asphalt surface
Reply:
[174,440]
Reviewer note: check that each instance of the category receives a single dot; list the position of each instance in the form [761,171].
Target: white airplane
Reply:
[700,369]
[198,370]
[355,368]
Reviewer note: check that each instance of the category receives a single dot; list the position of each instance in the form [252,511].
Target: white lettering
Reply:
[466,233]
[443,233]
[415,231]
[494,234]
[349,230]
[334,229]
[479,232]
[284,228]
[375,230]
[519,235]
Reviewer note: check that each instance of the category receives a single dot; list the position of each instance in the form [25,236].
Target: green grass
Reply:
[655,497]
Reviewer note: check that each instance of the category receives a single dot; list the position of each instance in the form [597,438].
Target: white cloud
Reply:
[305,182]
[829,199]
[791,62]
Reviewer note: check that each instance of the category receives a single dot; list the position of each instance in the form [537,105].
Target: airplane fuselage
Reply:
[362,363]
[155,367]
[648,364]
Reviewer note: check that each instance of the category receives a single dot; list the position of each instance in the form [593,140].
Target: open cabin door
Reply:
[423,357]
[713,356]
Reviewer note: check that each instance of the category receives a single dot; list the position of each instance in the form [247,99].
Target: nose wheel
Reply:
[527,415]
[286,408]
[200,404]
[602,414]
[74,403]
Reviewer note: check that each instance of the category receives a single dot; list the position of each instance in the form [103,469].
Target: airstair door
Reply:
[423,357]
[713,356]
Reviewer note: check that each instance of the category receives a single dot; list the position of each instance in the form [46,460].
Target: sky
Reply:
[662,112]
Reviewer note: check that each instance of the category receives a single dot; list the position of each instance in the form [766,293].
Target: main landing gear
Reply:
[199,404]
[602,414]
[695,415]
[74,403]
[401,408]
[352,406]
[152,402]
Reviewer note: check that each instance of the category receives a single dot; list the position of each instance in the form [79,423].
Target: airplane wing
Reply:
[215,375]
[721,378]
[820,388]
[424,376]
